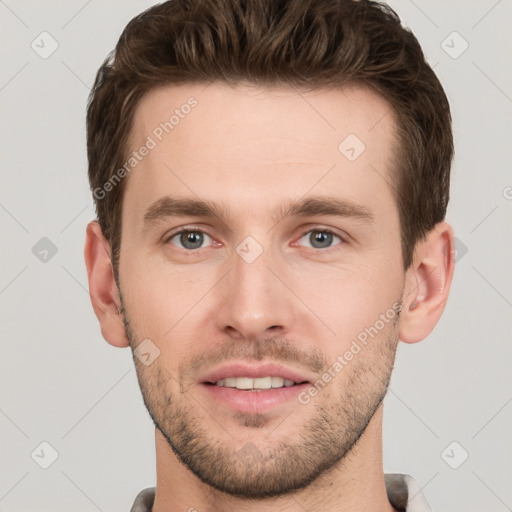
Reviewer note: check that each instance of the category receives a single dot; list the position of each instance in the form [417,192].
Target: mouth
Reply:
[255,384]
[254,389]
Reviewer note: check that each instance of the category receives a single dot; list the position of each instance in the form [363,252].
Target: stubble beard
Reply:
[257,470]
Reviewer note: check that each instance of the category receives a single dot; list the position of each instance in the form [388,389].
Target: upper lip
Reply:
[255,371]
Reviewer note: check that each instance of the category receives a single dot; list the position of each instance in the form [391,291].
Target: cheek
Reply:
[351,299]
[162,300]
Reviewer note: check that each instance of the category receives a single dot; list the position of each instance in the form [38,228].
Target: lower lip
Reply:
[253,402]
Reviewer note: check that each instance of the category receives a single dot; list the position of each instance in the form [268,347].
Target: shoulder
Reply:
[405,494]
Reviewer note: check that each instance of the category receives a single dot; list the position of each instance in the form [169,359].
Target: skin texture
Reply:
[253,152]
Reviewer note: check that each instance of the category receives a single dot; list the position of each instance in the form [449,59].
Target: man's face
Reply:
[296,262]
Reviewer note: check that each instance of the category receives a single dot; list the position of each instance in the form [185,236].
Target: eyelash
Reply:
[188,229]
[323,230]
[319,229]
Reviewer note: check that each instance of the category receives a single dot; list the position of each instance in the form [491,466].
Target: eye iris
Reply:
[191,239]
[320,239]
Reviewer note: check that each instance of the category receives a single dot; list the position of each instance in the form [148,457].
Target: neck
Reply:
[355,484]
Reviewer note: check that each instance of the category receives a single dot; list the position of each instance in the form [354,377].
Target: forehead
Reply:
[321,114]
[219,141]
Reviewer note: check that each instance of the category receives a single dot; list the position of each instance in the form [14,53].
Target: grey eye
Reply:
[189,239]
[319,239]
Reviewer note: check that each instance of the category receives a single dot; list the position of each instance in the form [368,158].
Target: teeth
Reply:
[248,383]
[262,383]
[277,382]
[244,383]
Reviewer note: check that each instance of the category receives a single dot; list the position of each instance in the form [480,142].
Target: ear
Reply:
[102,286]
[427,284]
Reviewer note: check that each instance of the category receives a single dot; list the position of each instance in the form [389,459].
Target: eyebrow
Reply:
[171,207]
[312,206]
[168,206]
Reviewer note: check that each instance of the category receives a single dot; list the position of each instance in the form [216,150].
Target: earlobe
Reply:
[102,286]
[428,282]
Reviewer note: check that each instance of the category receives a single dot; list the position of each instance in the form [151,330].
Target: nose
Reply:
[254,303]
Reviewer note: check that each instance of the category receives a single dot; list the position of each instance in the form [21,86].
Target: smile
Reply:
[260,383]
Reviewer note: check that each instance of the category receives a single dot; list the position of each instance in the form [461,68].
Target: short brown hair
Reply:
[312,43]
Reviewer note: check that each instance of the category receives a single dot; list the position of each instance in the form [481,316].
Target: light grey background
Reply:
[63,384]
